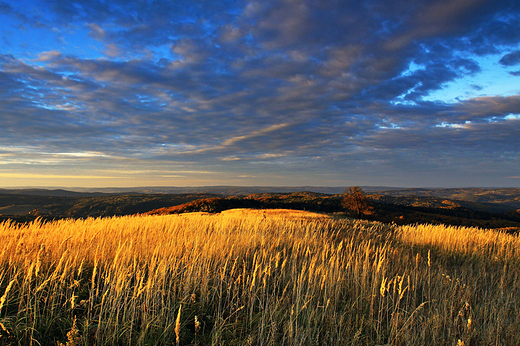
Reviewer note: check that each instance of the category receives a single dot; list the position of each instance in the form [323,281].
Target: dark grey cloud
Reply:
[511,59]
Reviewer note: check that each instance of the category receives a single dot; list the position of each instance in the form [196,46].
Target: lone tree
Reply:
[355,201]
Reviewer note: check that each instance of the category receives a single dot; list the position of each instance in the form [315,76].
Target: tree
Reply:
[355,201]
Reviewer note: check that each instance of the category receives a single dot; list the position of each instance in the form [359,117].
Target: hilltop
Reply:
[400,210]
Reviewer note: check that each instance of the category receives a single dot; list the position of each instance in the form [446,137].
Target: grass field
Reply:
[256,277]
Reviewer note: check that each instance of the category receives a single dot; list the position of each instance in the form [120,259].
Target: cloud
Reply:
[511,59]
[233,140]
[36,176]
[48,56]
[293,86]
[96,31]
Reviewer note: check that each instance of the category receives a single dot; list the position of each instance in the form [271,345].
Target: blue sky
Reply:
[328,93]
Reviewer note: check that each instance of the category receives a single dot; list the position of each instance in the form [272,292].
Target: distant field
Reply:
[256,277]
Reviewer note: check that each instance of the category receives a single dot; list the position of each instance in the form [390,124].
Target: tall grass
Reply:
[251,279]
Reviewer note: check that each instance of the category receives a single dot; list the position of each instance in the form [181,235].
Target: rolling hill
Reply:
[487,208]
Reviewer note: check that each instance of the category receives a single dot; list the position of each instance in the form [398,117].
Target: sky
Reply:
[98,93]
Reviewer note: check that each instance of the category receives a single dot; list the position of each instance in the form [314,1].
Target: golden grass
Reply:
[256,277]
[285,213]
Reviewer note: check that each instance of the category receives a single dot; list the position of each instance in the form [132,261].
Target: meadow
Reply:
[256,277]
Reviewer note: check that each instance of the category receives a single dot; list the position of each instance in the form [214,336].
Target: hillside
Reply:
[399,210]
[491,200]
[25,207]
[503,198]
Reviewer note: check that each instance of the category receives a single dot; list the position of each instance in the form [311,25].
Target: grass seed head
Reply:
[178,327]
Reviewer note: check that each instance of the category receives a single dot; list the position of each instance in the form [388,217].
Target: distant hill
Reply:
[49,192]
[25,207]
[226,190]
[438,202]
[400,210]
[503,199]
[489,208]
[491,200]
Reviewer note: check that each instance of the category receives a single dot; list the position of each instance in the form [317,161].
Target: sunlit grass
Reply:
[258,278]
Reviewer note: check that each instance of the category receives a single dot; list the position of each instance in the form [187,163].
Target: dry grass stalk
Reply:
[289,278]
